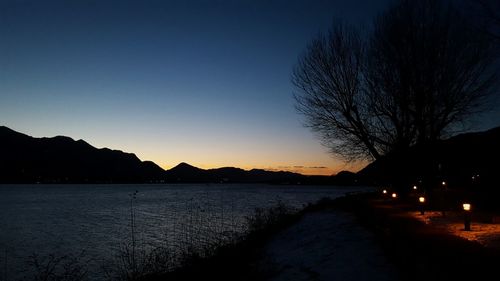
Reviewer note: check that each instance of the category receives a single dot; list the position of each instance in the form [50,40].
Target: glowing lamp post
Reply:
[421,200]
[384,191]
[394,195]
[414,187]
[466,207]
[467,210]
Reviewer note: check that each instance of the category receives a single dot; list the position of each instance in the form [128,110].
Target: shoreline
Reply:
[358,236]
[417,251]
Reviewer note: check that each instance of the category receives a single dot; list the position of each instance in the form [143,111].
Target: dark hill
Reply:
[185,173]
[63,160]
[455,160]
[257,175]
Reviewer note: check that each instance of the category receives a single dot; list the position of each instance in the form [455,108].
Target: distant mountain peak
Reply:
[60,138]
[7,130]
[61,159]
[184,165]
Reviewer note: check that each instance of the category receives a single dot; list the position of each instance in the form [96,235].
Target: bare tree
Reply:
[329,80]
[419,73]
[439,68]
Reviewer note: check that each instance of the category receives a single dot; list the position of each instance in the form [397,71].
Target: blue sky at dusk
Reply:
[203,82]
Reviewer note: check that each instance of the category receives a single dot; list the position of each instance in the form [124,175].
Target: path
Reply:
[327,245]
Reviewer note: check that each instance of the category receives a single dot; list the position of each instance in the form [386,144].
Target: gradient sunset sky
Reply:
[202,82]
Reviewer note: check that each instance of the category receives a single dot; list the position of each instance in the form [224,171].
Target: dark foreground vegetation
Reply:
[237,260]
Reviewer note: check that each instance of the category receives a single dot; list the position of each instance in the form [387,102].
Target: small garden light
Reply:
[421,199]
[414,187]
[466,206]
[384,191]
[394,195]
[467,215]
[443,183]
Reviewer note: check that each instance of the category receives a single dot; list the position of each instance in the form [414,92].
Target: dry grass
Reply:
[198,243]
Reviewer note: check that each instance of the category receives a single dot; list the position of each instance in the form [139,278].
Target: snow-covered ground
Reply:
[328,245]
[487,234]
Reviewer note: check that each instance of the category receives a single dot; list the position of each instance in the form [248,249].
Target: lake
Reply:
[95,221]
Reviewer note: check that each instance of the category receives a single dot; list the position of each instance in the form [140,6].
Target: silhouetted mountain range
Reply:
[64,160]
[190,174]
[25,159]
[187,173]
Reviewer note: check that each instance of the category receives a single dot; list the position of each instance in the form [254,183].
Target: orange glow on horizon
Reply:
[211,153]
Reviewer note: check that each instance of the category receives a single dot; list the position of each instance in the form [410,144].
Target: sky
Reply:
[202,82]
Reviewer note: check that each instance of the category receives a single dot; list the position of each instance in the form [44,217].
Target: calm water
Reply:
[96,219]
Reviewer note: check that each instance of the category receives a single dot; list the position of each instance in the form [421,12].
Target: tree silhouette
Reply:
[418,75]
[490,12]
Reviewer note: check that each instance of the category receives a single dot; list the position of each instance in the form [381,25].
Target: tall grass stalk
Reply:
[196,233]
[4,275]
[58,268]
